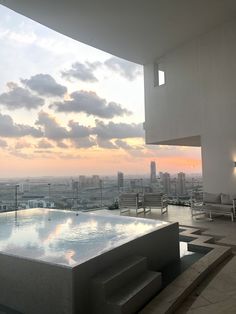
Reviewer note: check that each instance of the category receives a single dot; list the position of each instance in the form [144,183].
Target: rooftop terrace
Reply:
[217,292]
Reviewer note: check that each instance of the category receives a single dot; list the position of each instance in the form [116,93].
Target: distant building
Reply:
[95,180]
[24,187]
[82,181]
[120,180]
[166,183]
[3,207]
[153,176]
[40,204]
[133,184]
[85,182]
[181,184]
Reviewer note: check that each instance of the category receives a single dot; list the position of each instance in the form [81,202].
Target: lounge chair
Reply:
[128,201]
[155,200]
[220,204]
[197,204]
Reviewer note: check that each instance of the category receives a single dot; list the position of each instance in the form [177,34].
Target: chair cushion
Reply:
[219,207]
[211,198]
[226,199]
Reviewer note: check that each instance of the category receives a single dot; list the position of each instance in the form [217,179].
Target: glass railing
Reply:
[87,195]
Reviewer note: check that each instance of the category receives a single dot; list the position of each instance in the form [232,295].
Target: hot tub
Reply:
[48,257]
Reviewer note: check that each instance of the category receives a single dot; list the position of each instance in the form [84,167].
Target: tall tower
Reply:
[181,186]
[153,176]
[75,193]
[166,183]
[120,180]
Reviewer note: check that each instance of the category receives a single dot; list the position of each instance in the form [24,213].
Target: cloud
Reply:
[10,129]
[52,129]
[127,69]
[45,85]
[105,143]
[44,144]
[84,142]
[3,144]
[62,144]
[20,154]
[85,71]
[22,143]
[118,130]
[78,131]
[91,104]
[18,97]
[81,72]
[123,145]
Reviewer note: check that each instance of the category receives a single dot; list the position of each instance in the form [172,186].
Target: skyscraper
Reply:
[181,186]
[120,180]
[153,176]
[166,183]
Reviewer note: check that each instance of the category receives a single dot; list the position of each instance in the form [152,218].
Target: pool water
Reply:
[67,238]
[173,270]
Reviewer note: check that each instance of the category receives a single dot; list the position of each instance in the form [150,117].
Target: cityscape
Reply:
[94,192]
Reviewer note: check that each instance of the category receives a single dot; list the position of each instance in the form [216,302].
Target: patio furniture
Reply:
[155,200]
[197,205]
[220,204]
[129,201]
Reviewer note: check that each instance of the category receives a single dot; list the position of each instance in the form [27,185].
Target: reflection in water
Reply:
[58,231]
[69,257]
[183,246]
[67,238]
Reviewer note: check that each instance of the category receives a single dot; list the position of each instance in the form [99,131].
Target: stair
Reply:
[125,287]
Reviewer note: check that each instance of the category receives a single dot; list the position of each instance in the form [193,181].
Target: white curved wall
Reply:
[199,98]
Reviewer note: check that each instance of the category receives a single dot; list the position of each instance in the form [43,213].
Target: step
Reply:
[120,274]
[130,298]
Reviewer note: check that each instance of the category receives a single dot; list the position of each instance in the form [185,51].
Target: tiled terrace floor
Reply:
[217,293]
[222,227]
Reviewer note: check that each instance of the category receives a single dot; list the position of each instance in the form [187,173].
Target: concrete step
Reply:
[131,297]
[120,274]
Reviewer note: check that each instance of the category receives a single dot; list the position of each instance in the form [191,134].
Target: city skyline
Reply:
[61,111]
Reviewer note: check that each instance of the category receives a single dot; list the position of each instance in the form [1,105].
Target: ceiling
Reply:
[184,141]
[136,30]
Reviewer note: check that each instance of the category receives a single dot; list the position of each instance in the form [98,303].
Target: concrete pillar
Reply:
[219,149]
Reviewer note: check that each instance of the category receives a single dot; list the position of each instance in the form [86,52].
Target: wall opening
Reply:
[159,75]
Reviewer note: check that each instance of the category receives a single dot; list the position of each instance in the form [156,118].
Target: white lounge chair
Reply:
[128,201]
[197,205]
[155,200]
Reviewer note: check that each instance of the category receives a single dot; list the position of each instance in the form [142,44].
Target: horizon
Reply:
[110,175]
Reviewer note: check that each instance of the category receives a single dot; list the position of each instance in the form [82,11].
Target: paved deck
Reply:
[217,293]
[221,227]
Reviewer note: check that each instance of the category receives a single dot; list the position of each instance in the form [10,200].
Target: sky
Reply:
[69,109]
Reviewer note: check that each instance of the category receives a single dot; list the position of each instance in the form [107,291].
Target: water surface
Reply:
[62,237]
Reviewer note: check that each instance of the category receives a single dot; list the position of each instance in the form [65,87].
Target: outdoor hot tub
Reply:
[48,257]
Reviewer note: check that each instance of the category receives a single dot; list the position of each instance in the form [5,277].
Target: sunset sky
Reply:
[68,109]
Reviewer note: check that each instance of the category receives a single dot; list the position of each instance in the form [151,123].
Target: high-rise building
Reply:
[82,181]
[120,180]
[85,182]
[95,180]
[181,184]
[153,176]
[24,186]
[75,193]
[166,183]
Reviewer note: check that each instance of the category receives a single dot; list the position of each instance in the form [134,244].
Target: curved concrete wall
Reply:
[199,99]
